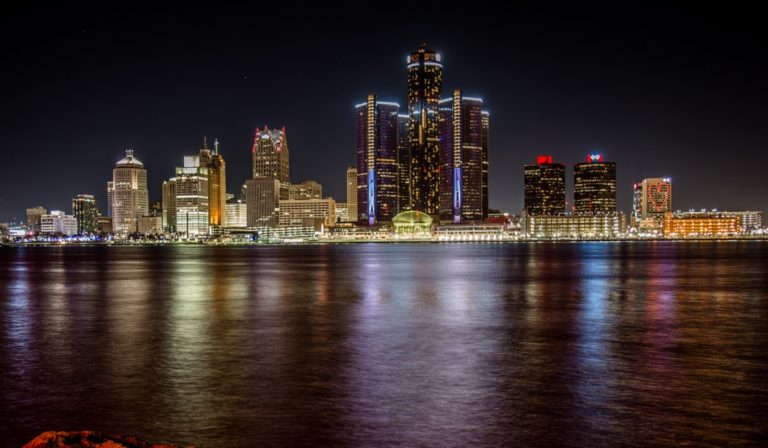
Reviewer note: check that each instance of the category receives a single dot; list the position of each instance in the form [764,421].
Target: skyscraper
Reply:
[545,187]
[128,190]
[270,154]
[403,164]
[352,194]
[594,186]
[486,131]
[461,158]
[191,187]
[377,188]
[425,82]
[217,188]
[656,197]
[85,212]
[169,205]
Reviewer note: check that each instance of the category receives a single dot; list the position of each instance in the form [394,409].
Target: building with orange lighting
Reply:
[700,224]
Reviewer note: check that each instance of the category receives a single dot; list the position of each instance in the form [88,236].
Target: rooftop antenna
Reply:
[216,146]
[205,142]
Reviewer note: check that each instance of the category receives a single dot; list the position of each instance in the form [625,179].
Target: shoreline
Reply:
[376,241]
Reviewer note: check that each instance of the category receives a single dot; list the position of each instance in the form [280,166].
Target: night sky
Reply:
[663,91]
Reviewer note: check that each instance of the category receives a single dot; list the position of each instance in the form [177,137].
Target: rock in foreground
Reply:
[90,439]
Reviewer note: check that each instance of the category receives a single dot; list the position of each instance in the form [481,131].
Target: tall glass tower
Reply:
[425,83]
[270,154]
[461,158]
[377,177]
[594,186]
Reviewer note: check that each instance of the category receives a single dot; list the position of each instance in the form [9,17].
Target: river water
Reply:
[537,344]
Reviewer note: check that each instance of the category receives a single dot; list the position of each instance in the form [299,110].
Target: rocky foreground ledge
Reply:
[92,439]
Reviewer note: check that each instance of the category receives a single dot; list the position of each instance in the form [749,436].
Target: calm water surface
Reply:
[593,344]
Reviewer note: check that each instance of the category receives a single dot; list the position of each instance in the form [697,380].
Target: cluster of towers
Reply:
[594,187]
[434,159]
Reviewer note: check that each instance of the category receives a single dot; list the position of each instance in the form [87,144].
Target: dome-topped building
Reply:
[127,194]
[412,221]
[129,160]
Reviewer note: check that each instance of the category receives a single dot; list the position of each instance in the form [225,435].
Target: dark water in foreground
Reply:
[593,344]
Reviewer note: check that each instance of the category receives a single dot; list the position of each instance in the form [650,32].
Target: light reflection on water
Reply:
[411,345]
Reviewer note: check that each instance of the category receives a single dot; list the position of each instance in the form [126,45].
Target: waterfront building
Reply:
[270,154]
[607,225]
[545,187]
[85,212]
[191,198]
[33,218]
[700,224]
[237,213]
[484,143]
[150,225]
[377,171]
[308,189]
[594,186]
[470,232]
[412,223]
[403,164]
[56,222]
[306,212]
[352,194]
[425,83]
[461,159]
[261,197]
[129,197]
[217,188]
[750,221]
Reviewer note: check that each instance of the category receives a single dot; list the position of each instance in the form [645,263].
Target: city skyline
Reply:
[577,111]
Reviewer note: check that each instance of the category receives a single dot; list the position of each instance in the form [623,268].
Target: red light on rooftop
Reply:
[544,160]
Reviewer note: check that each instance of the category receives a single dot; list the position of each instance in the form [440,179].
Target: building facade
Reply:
[598,226]
[270,154]
[128,193]
[486,127]
[308,189]
[33,218]
[545,187]
[403,164]
[217,188]
[425,84]
[150,225]
[57,222]
[700,224]
[594,186]
[261,197]
[191,198]
[237,213]
[461,158]
[377,170]
[169,205]
[307,212]
[85,212]
[352,194]
[656,197]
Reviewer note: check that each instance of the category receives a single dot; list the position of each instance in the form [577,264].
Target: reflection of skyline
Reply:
[388,344]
